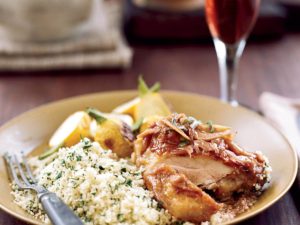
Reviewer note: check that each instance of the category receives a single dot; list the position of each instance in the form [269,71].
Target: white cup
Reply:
[43,20]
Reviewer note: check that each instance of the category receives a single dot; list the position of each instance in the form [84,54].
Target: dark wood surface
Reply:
[272,66]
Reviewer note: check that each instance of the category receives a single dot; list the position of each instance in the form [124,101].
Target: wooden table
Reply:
[273,66]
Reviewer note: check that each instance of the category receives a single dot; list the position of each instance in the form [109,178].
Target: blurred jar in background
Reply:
[43,20]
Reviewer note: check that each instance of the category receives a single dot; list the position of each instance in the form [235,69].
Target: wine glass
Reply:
[230,22]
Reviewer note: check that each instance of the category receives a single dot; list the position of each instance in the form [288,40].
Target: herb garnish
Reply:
[128,183]
[155,87]
[183,143]
[58,175]
[101,168]
[137,126]
[50,151]
[94,113]
[144,89]
[87,144]
[120,217]
[211,127]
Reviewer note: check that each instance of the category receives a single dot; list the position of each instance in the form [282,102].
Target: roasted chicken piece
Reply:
[204,153]
[179,195]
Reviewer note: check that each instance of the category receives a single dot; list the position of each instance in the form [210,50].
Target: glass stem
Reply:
[228,59]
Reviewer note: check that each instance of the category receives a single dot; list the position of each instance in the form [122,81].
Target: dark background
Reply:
[176,50]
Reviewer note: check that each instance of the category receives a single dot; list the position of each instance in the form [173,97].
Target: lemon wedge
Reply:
[151,104]
[127,107]
[75,127]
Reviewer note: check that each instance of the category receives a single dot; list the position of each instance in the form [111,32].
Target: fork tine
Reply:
[29,173]
[21,171]
[8,159]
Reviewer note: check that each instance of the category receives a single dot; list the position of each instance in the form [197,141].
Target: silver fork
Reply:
[58,212]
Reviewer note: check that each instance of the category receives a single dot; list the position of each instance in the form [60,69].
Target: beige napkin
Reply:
[282,113]
[97,45]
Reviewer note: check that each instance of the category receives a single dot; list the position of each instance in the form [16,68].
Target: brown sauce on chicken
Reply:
[205,157]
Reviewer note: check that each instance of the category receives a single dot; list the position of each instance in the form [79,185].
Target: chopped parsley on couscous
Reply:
[99,187]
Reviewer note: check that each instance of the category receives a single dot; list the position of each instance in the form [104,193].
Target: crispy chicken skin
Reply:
[179,195]
[203,154]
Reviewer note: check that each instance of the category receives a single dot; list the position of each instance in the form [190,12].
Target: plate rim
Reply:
[164,92]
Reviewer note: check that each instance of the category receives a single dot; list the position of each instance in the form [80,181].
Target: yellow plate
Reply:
[33,128]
